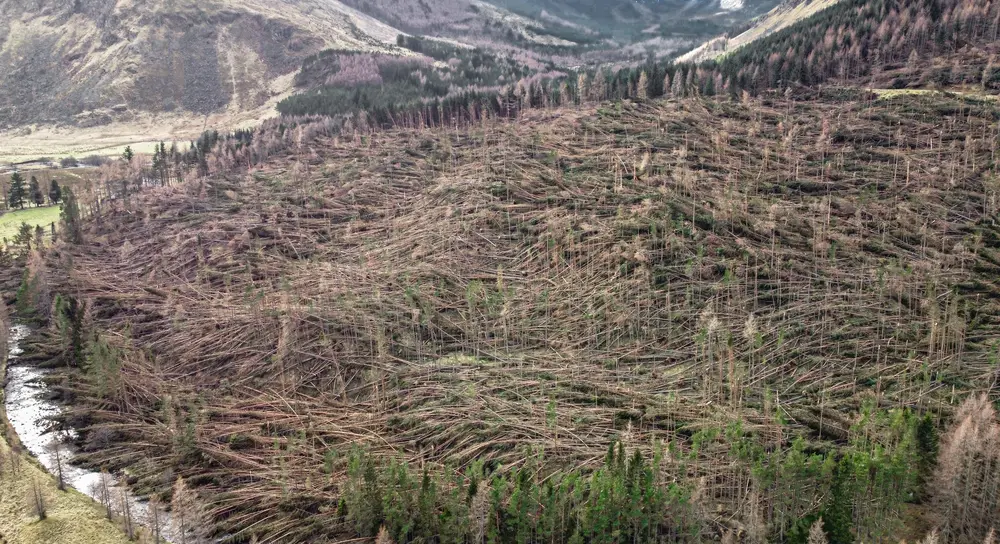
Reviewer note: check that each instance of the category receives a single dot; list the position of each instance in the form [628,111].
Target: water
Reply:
[30,411]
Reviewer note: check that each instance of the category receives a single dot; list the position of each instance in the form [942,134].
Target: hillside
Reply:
[91,62]
[751,283]
[748,300]
[782,16]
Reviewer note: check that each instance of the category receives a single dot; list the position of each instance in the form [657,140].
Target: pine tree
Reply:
[36,498]
[127,155]
[927,452]
[642,88]
[383,535]
[599,88]
[70,217]
[582,87]
[16,193]
[35,192]
[838,510]
[55,192]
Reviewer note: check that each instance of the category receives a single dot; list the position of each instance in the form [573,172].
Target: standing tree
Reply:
[101,489]
[55,448]
[154,519]
[16,194]
[187,513]
[966,490]
[55,192]
[35,192]
[36,498]
[70,217]
[816,534]
[642,87]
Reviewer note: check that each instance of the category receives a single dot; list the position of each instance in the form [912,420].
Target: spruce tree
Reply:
[16,194]
[816,534]
[35,192]
[838,514]
[70,217]
[927,453]
[965,497]
[642,87]
[55,192]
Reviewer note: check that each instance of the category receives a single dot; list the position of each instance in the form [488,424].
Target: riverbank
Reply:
[71,516]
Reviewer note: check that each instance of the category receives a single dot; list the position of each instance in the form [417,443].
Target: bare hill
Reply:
[90,63]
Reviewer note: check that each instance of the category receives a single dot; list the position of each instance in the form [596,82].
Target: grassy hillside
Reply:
[749,294]
[71,516]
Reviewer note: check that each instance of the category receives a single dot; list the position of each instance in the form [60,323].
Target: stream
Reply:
[29,410]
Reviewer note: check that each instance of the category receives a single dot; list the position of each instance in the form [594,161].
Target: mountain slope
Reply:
[715,274]
[92,61]
[782,16]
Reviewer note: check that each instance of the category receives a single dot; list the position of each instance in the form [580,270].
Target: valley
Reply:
[170,70]
[452,291]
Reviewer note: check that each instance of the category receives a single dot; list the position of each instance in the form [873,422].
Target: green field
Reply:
[10,221]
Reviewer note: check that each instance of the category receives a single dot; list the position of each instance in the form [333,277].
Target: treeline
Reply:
[384,86]
[21,192]
[857,493]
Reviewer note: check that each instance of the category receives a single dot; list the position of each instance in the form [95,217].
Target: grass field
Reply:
[44,216]
[71,516]
[886,94]
[142,133]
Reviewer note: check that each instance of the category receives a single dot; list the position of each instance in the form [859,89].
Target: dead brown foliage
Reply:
[642,270]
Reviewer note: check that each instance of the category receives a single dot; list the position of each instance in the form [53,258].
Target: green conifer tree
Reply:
[837,517]
[55,192]
[16,194]
[70,217]
[35,192]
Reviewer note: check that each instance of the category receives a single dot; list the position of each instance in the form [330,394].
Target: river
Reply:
[29,410]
